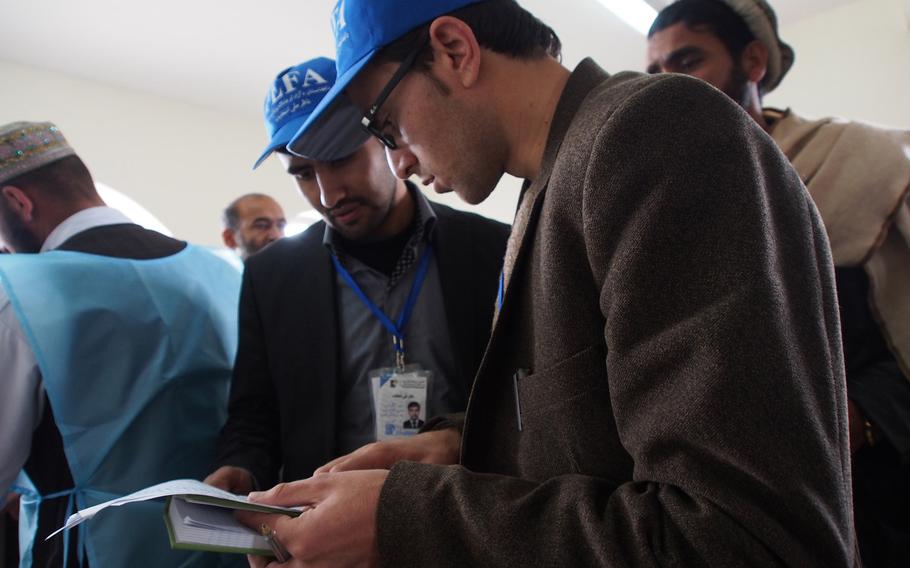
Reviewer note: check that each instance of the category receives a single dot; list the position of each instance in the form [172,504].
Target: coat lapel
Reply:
[583,79]
[521,237]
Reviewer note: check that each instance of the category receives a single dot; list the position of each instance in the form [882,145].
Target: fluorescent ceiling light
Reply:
[637,13]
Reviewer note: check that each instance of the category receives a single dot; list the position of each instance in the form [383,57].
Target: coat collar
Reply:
[583,79]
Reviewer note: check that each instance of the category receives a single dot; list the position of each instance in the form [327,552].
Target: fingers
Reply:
[346,464]
[350,461]
[230,478]
[437,447]
[263,562]
[271,526]
[218,479]
[282,531]
[255,520]
[378,455]
[443,446]
[293,494]
[328,467]
[340,527]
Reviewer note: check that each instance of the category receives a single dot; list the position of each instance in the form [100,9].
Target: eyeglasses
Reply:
[369,121]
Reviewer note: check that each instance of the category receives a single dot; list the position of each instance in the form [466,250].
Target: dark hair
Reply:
[413,404]
[231,214]
[66,179]
[711,15]
[501,26]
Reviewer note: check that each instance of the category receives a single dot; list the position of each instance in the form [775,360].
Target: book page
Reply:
[210,517]
[212,528]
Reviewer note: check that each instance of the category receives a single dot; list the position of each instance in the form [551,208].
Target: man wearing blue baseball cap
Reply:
[664,381]
[386,302]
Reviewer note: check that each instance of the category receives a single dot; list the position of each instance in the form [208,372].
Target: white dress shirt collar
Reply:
[82,221]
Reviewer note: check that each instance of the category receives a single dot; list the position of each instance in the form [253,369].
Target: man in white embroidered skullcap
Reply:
[859,177]
[116,345]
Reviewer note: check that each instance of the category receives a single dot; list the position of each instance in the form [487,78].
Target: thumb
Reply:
[293,494]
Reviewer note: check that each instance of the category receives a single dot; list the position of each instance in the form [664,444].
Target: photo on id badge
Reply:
[399,400]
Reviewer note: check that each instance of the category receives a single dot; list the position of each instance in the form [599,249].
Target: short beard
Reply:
[737,86]
[18,239]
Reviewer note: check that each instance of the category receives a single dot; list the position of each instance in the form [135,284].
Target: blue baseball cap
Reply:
[291,99]
[362,28]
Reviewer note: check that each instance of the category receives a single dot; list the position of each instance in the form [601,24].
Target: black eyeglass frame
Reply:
[368,122]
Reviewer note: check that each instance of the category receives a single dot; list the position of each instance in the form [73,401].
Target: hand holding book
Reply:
[198,517]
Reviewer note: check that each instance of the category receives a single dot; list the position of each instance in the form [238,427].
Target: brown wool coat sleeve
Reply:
[670,293]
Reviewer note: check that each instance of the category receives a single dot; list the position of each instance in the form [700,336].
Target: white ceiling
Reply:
[224,54]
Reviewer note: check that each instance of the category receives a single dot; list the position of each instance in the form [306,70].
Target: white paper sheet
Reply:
[166,489]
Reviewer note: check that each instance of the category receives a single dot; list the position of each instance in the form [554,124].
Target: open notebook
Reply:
[198,516]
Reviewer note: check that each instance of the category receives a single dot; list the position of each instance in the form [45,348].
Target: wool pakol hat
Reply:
[362,28]
[26,146]
[762,22]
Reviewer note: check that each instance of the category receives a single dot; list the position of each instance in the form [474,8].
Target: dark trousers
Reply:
[881,501]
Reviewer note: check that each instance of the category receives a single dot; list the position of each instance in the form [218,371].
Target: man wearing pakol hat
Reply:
[859,177]
[116,344]
[389,298]
[663,384]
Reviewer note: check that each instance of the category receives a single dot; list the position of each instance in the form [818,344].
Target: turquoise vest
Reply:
[136,359]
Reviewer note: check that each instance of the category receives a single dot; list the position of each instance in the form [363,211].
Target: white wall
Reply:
[182,162]
[852,61]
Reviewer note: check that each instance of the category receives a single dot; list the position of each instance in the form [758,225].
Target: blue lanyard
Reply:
[395,328]
[502,289]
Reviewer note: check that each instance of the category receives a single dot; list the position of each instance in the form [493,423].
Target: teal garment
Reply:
[136,357]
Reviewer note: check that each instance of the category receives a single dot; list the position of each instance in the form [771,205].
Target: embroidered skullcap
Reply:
[26,146]
[762,22]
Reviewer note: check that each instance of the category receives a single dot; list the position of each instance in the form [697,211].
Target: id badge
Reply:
[399,400]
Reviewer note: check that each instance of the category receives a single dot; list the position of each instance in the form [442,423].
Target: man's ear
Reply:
[755,61]
[454,44]
[227,236]
[18,202]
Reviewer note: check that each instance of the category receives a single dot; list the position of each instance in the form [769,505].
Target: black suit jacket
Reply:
[284,395]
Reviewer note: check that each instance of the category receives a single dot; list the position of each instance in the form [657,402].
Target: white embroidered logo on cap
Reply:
[313,77]
[338,16]
[338,24]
